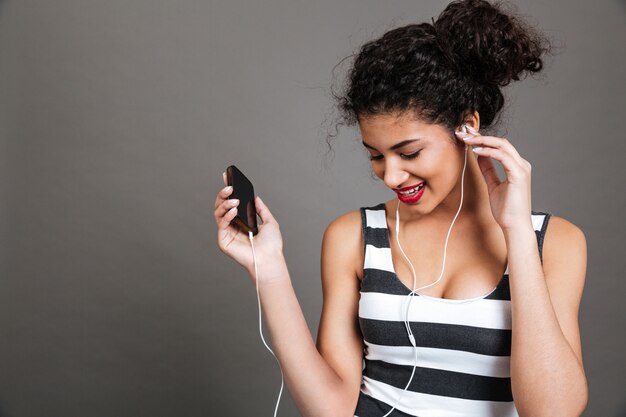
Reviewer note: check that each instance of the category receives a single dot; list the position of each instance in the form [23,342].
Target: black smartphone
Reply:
[244,192]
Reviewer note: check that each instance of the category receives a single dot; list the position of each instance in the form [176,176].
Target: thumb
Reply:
[263,211]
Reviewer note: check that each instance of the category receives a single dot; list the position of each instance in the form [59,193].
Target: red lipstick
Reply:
[412,198]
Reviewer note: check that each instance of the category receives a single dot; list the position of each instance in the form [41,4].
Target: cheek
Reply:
[434,164]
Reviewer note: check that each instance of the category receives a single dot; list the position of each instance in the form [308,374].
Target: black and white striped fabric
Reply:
[464,346]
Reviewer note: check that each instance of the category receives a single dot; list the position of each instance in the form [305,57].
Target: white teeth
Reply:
[413,191]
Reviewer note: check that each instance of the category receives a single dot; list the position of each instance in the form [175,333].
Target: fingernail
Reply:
[233,201]
[228,188]
[477,148]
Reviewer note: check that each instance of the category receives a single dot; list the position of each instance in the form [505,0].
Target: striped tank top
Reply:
[463,346]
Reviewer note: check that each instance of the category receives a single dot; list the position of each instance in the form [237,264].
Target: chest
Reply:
[475,260]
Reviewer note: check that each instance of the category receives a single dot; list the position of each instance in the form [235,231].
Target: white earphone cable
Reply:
[410,295]
[256,279]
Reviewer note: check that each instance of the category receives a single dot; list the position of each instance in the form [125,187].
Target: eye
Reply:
[409,156]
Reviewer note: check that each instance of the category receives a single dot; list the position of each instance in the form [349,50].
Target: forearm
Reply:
[315,387]
[546,377]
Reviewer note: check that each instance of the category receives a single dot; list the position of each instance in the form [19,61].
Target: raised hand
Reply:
[268,243]
[510,199]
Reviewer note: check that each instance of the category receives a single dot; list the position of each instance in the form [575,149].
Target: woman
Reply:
[479,342]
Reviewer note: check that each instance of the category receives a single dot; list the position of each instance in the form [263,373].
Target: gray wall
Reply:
[118,118]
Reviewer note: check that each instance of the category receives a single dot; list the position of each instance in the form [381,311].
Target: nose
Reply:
[394,176]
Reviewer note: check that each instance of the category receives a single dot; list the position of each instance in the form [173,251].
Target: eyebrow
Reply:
[396,146]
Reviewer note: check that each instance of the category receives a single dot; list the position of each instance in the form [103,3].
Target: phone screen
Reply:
[244,192]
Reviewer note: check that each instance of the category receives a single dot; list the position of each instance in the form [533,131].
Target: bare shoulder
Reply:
[561,225]
[349,221]
[563,239]
[343,240]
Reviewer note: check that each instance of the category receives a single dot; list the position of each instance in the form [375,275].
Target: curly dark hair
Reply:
[442,72]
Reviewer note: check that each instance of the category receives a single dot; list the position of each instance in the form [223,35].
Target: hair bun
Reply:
[492,46]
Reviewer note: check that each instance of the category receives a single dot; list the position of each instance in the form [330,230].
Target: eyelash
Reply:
[410,156]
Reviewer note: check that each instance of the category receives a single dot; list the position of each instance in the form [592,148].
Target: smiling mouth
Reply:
[412,191]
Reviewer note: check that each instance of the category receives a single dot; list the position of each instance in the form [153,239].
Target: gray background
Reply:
[118,119]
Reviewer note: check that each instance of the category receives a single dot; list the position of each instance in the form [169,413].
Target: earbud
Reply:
[464,129]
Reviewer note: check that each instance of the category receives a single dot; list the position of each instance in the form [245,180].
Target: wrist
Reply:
[270,268]
[519,230]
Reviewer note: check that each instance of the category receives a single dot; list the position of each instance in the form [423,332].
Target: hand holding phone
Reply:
[244,192]
[236,221]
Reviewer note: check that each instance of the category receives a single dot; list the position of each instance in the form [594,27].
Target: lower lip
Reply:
[412,198]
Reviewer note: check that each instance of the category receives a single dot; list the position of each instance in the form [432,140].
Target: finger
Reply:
[222,195]
[224,221]
[496,142]
[263,211]
[462,134]
[223,208]
[512,168]
[226,232]
[224,177]
[464,137]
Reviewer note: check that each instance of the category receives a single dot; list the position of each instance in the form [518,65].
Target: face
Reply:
[405,152]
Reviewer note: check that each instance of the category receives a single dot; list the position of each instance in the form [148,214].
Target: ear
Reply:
[474,121]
